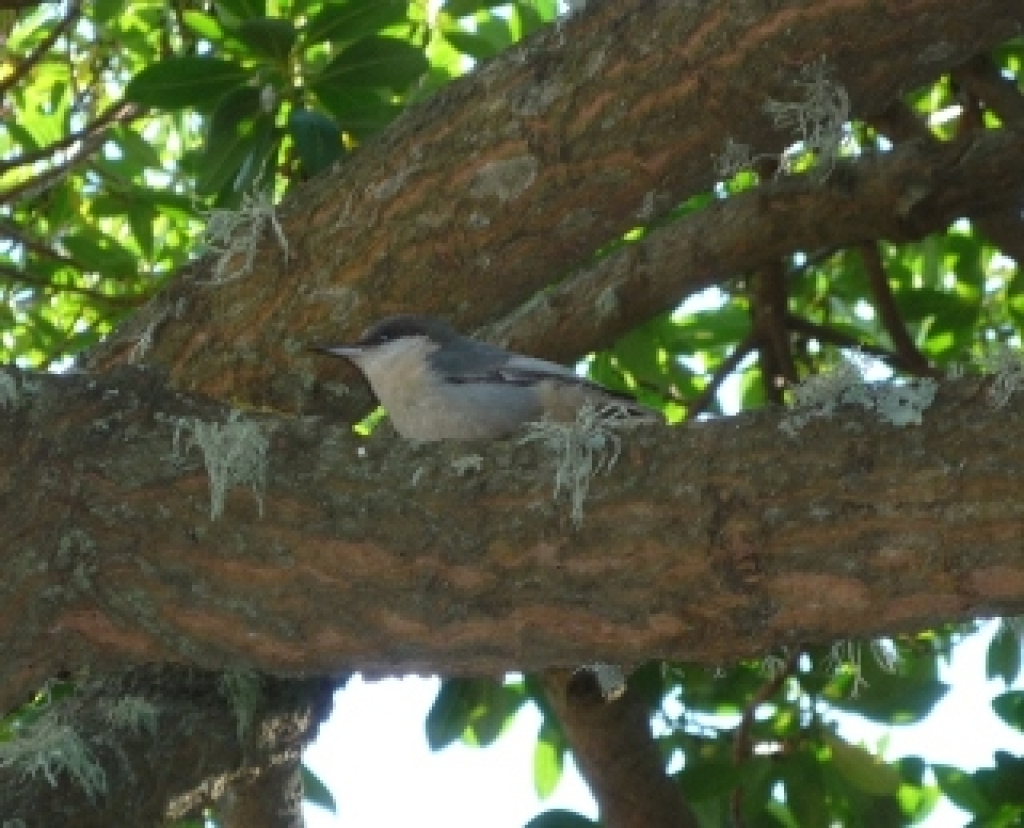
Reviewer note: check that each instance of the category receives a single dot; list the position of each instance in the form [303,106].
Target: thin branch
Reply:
[900,123]
[736,234]
[23,68]
[729,364]
[831,336]
[888,313]
[743,744]
[51,177]
[22,277]
[119,112]
[981,77]
[12,231]
[768,302]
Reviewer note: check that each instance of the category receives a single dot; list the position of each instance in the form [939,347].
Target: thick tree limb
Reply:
[614,749]
[483,195]
[185,757]
[705,543]
[919,188]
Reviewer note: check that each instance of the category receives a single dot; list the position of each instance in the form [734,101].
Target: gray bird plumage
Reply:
[439,385]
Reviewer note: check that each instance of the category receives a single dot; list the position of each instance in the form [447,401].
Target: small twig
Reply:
[24,278]
[841,339]
[52,176]
[768,301]
[898,122]
[16,234]
[743,745]
[888,313]
[981,78]
[729,364]
[37,54]
[119,112]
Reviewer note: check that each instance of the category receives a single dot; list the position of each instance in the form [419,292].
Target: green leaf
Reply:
[99,253]
[961,789]
[704,330]
[449,713]
[1003,656]
[135,147]
[236,107]
[1010,708]
[179,82]
[381,62]
[529,19]
[140,218]
[472,44]
[705,779]
[497,29]
[269,37]
[203,25]
[548,758]
[560,818]
[862,768]
[464,8]
[347,22]
[475,710]
[901,697]
[546,9]
[317,139]
[235,157]
[103,11]
[237,10]
[315,791]
[360,112]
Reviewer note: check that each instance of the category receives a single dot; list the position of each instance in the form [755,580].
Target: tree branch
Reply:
[32,187]
[186,754]
[549,180]
[21,277]
[917,189]
[44,45]
[982,77]
[841,339]
[614,749]
[729,364]
[889,314]
[768,303]
[112,555]
[743,744]
[117,113]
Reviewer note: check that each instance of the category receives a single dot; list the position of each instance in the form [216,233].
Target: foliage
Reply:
[135,119]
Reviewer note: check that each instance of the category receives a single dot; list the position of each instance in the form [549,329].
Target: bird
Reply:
[437,384]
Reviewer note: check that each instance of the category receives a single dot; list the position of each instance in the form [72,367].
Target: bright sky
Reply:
[373,754]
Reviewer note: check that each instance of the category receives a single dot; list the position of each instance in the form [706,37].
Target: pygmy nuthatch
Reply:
[439,385]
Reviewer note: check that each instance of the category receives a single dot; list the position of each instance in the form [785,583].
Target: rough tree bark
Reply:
[703,544]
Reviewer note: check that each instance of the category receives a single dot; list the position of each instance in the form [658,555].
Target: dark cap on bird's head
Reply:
[391,329]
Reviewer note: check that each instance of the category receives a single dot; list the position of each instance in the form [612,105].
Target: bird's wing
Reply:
[478,362]
[474,361]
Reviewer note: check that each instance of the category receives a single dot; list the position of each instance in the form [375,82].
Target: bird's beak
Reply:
[350,351]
